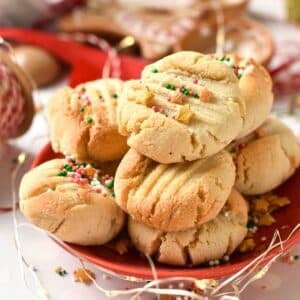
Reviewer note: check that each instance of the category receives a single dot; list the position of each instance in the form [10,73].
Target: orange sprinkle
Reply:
[206,95]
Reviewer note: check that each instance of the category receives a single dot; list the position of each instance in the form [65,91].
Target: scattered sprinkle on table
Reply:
[61,272]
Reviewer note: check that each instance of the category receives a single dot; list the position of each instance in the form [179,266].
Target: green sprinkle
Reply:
[89,120]
[62,173]
[82,109]
[110,185]
[68,168]
[196,96]
[83,89]
[61,272]
[81,164]
[113,194]
[239,76]
[170,86]
[154,71]
[184,91]
[115,96]
[228,58]
[251,224]
[223,58]
[232,151]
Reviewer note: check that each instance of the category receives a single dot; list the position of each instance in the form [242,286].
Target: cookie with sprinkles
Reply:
[83,121]
[173,197]
[265,158]
[187,106]
[210,243]
[256,90]
[74,201]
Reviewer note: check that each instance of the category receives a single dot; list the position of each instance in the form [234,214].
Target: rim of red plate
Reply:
[145,273]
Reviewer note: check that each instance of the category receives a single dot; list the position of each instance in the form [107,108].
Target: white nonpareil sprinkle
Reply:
[248,69]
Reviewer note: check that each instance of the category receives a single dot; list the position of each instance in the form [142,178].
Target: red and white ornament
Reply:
[16,104]
[11,103]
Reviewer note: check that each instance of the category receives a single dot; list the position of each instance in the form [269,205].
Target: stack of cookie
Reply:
[199,137]
[191,123]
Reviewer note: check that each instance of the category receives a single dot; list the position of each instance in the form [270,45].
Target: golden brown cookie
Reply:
[73,201]
[186,107]
[83,121]
[255,86]
[265,158]
[211,241]
[247,38]
[173,197]
[38,63]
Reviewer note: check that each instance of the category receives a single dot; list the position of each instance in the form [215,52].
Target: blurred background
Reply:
[267,31]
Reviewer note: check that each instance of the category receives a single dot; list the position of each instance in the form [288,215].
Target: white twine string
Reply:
[149,287]
[112,66]
[21,259]
[238,278]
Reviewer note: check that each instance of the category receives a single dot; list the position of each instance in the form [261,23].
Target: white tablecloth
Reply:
[282,281]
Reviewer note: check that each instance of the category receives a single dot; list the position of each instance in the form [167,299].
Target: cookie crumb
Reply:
[184,114]
[265,220]
[247,245]
[83,275]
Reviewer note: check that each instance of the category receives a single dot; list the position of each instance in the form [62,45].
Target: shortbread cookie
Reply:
[173,197]
[210,241]
[247,38]
[256,90]
[186,107]
[176,7]
[73,201]
[265,158]
[83,121]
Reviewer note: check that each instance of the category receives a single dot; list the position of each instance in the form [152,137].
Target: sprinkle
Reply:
[181,285]
[83,275]
[89,120]
[251,224]
[206,95]
[63,173]
[195,80]
[196,96]
[110,185]
[154,71]
[226,258]
[115,95]
[232,151]
[184,91]
[170,86]
[61,272]
[68,168]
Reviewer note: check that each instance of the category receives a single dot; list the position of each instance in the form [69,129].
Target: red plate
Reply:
[132,264]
